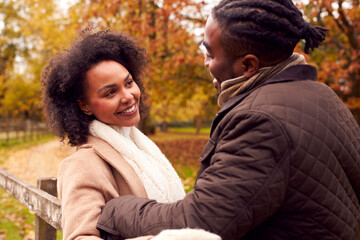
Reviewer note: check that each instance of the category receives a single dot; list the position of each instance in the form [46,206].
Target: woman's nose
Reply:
[125,96]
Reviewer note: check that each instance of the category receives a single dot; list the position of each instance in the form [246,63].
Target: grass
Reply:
[188,176]
[181,146]
[190,130]
[22,144]
[180,133]
[16,221]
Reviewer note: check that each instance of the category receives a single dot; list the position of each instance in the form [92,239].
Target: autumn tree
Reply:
[339,58]
[11,44]
[33,31]
[22,99]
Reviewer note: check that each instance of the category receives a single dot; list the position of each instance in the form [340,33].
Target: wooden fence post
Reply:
[7,130]
[25,126]
[43,230]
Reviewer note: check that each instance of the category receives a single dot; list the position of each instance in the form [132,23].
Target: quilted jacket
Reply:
[282,162]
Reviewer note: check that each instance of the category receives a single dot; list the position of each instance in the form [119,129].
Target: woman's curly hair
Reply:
[64,79]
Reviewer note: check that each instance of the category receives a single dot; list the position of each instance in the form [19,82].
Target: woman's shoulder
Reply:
[91,149]
[83,153]
[86,157]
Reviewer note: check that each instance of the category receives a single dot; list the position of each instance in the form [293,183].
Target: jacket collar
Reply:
[291,74]
[112,157]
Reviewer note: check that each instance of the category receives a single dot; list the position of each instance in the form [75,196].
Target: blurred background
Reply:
[182,99]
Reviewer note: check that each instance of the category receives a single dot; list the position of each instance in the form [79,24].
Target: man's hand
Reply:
[141,238]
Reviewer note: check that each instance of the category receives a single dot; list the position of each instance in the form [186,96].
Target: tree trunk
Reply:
[146,126]
[164,127]
[198,123]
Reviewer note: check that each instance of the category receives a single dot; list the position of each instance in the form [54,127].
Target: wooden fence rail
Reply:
[46,207]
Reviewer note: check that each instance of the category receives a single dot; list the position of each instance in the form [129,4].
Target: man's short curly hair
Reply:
[63,79]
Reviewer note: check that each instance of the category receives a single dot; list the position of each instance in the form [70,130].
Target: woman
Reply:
[92,96]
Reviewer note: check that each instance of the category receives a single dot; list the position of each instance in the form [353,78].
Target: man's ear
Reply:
[247,66]
[252,64]
[84,107]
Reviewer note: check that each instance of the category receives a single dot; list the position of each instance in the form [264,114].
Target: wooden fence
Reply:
[42,201]
[15,129]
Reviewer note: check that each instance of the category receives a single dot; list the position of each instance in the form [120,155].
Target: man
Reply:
[283,158]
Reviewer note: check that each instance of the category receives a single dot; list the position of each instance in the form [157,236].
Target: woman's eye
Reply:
[130,82]
[109,93]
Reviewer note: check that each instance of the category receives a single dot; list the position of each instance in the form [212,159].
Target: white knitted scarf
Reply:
[160,179]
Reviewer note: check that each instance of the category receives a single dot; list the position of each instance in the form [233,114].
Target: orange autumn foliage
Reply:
[338,59]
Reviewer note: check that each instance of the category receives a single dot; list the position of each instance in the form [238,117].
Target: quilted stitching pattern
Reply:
[320,187]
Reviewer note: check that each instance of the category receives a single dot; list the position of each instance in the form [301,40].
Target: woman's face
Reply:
[112,96]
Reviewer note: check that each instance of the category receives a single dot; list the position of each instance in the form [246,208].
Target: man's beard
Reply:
[218,92]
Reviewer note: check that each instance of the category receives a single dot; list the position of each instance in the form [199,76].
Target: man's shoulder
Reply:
[286,95]
[282,103]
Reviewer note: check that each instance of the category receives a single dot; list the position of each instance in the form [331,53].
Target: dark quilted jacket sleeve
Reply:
[243,186]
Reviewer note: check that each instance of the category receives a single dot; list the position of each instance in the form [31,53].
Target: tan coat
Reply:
[93,175]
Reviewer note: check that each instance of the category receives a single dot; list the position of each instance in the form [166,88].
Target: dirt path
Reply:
[37,162]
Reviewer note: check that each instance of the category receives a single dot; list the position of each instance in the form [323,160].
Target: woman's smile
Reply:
[128,111]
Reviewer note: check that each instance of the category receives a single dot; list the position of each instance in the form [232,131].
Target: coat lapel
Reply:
[112,157]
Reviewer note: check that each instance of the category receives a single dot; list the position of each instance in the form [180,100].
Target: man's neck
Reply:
[273,62]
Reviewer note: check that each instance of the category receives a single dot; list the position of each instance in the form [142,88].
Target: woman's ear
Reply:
[252,64]
[84,106]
